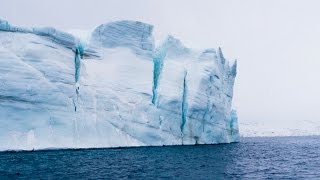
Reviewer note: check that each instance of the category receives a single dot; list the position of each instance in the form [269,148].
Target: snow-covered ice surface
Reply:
[115,89]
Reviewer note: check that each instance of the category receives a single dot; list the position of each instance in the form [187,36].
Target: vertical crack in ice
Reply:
[158,58]
[184,108]
[77,65]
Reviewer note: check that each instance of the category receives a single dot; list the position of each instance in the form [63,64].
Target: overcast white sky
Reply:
[277,43]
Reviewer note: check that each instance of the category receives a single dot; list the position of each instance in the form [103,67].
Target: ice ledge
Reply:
[134,35]
[65,39]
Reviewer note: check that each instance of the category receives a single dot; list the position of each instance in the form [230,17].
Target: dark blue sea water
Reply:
[252,158]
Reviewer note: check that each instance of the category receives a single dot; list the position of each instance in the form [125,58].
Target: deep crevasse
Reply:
[128,95]
[184,108]
[157,68]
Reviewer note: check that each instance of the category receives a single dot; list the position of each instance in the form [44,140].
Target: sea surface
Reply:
[252,158]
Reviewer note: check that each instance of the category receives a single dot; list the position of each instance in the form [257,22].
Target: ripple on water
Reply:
[274,157]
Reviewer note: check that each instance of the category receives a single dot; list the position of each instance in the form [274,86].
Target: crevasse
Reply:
[184,106]
[158,59]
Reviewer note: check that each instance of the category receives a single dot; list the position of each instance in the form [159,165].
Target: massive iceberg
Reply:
[117,89]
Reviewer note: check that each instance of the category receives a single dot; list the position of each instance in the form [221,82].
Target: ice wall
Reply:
[115,90]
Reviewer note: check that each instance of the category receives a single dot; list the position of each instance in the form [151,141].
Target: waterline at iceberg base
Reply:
[115,89]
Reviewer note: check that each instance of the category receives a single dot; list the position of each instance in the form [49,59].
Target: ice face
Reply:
[197,88]
[116,90]
[234,126]
[134,35]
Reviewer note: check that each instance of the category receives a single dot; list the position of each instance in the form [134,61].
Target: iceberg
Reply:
[116,89]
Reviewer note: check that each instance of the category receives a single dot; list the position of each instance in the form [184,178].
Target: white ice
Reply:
[117,100]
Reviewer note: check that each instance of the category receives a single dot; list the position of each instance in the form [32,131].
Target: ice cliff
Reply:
[117,89]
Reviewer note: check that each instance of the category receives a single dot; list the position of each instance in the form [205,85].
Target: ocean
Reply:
[252,158]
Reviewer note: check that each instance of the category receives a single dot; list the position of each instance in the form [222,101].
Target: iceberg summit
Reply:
[116,89]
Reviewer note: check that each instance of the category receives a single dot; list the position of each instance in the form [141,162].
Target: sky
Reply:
[275,42]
